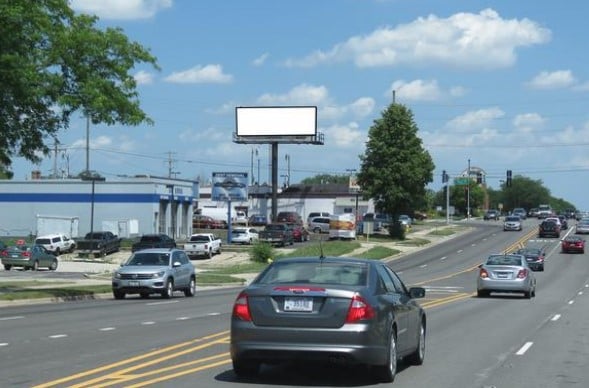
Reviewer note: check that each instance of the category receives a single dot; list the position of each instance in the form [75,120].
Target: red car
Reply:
[572,244]
[299,233]
[205,222]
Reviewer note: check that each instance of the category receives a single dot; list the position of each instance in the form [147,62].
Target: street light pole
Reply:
[468,193]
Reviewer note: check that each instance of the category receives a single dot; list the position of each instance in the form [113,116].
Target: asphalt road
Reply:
[503,341]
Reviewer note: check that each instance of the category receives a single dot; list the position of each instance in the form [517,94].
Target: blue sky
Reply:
[504,84]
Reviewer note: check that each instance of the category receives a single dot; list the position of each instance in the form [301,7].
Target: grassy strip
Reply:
[415,242]
[67,293]
[444,231]
[378,253]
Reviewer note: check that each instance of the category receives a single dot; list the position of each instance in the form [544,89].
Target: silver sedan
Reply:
[506,273]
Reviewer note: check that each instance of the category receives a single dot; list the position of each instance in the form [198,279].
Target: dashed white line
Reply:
[555,318]
[182,318]
[459,251]
[12,318]
[443,258]
[571,301]
[107,329]
[148,323]
[158,303]
[213,314]
[58,336]
[524,348]
[3,343]
[423,266]
[580,292]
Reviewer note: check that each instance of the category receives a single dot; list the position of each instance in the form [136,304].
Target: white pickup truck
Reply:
[203,245]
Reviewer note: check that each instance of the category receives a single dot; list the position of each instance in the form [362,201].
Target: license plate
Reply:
[134,283]
[15,256]
[298,304]
[502,275]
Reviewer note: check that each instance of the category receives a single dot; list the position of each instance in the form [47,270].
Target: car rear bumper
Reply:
[138,286]
[512,285]
[354,344]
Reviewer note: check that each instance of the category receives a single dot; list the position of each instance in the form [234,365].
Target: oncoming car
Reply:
[512,223]
[155,271]
[320,309]
[506,273]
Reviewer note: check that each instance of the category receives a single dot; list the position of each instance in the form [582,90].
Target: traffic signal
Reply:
[444,177]
[508,181]
[479,178]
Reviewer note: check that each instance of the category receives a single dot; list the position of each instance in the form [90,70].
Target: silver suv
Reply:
[155,271]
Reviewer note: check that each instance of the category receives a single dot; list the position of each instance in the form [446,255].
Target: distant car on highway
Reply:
[582,227]
[521,212]
[549,229]
[508,273]
[573,244]
[491,214]
[512,223]
[328,308]
[534,256]
[155,271]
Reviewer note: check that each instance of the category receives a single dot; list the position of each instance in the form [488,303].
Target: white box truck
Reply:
[342,226]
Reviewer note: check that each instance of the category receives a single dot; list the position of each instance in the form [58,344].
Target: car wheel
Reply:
[528,294]
[53,265]
[245,368]
[482,293]
[317,230]
[387,372]
[219,251]
[144,295]
[209,254]
[118,294]
[417,357]
[191,290]
[169,290]
[35,266]
[7,267]
[57,252]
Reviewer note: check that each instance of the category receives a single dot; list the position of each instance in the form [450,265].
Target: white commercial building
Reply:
[125,206]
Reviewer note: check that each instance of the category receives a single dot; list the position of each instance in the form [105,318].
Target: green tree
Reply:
[325,178]
[54,63]
[524,192]
[395,168]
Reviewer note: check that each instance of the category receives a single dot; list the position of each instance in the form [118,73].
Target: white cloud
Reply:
[201,75]
[552,80]
[483,40]
[528,122]
[348,136]
[311,95]
[121,9]
[475,120]
[97,142]
[416,90]
[259,61]
[143,77]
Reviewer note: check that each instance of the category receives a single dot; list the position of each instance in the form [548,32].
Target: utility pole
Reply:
[287,157]
[468,193]
[171,165]
[87,144]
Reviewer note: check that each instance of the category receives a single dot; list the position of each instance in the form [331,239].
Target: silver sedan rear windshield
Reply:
[316,273]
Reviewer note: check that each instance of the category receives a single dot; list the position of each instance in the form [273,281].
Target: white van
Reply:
[221,214]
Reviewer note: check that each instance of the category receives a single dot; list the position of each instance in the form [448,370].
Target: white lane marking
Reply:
[107,329]
[555,318]
[580,292]
[459,251]
[212,314]
[443,258]
[571,301]
[524,348]
[148,323]
[58,336]
[159,303]
[12,318]
[182,318]
[3,344]
[423,266]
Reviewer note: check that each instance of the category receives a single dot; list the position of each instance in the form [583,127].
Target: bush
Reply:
[262,252]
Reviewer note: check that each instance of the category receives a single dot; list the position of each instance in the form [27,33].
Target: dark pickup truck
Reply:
[153,241]
[276,234]
[98,244]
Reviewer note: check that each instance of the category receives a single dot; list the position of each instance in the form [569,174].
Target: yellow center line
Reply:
[134,359]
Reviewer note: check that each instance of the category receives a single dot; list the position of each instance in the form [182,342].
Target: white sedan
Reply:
[244,235]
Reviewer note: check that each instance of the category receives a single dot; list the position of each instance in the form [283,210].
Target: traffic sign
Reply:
[460,181]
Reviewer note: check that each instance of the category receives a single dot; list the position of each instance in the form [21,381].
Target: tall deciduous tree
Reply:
[395,168]
[54,63]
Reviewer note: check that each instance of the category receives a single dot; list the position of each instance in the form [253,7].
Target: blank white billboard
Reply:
[276,121]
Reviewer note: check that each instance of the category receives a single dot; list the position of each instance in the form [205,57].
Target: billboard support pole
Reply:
[274,180]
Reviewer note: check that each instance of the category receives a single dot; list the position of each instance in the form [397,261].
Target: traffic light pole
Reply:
[447,203]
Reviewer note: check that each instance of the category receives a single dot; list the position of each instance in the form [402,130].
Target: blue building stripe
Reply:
[87,198]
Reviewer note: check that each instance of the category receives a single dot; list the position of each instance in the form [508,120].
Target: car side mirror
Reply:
[417,292]
[176,264]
